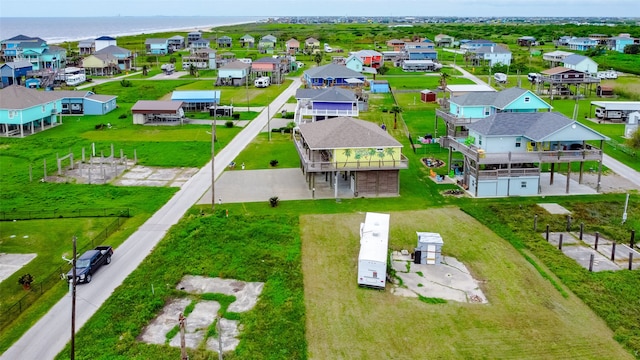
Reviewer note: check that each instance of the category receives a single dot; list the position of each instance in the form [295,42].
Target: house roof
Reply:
[247,37]
[86,43]
[558,70]
[224,38]
[235,65]
[155,106]
[155,41]
[345,132]
[480,41]
[293,41]
[105,38]
[536,126]
[469,88]
[19,97]
[557,53]
[267,60]
[363,53]
[575,59]
[311,40]
[332,71]
[497,49]
[190,95]
[499,99]
[269,38]
[18,64]
[112,49]
[21,38]
[331,94]
[177,37]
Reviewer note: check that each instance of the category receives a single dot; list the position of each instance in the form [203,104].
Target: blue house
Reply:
[476,44]
[122,55]
[354,63]
[34,50]
[332,75]
[321,104]
[582,43]
[420,54]
[504,152]
[379,86]
[617,43]
[235,73]
[25,111]
[13,72]
[476,105]
[156,46]
[197,100]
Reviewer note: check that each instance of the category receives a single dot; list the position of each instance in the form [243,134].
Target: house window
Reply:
[44,108]
[479,140]
[380,150]
[518,142]
[527,99]
[12,114]
[487,111]
[523,184]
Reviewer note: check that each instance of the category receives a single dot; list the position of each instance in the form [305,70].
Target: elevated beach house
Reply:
[320,104]
[354,157]
[332,75]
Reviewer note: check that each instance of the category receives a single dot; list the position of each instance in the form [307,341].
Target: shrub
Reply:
[27,279]
[125,83]
[229,124]
[289,115]
[273,201]
[122,116]
[273,163]
[235,116]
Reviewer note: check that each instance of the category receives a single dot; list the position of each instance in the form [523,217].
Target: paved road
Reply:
[49,335]
[621,169]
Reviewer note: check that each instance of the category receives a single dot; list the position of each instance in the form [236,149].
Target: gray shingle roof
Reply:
[155,41]
[489,98]
[112,49]
[345,132]
[19,97]
[535,126]
[333,71]
[331,94]
[497,49]
[575,59]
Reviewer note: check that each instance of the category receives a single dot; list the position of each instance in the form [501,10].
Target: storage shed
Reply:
[603,91]
[429,250]
[379,86]
[428,96]
[374,249]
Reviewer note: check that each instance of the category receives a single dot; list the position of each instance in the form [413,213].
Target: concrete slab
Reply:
[156,331]
[230,332]
[567,238]
[451,280]
[582,256]
[554,209]
[246,293]
[10,263]
[203,315]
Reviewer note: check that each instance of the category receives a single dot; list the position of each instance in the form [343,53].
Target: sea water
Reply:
[55,30]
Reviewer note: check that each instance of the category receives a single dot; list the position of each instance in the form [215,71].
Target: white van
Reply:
[327,48]
[262,82]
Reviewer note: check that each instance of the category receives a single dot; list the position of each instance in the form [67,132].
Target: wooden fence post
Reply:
[535,222]
[597,238]
[560,243]
[613,251]
[581,229]
[591,263]
[547,232]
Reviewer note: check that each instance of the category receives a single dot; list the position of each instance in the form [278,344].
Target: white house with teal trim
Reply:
[477,105]
[157,46]
[580,63]
[582,43]
[617,43]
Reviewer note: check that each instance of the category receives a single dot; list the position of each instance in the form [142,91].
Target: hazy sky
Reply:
[39,8]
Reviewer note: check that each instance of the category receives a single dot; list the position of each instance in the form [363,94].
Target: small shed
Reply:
[604,91]
[428,96]
[379,86]
[374,249]
[633,124]
[32,83]
[429,250]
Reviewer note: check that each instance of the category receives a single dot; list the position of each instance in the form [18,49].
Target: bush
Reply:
[122,116]
[273,163]
[229,124]
[235,116]
[273,201]
[289,115]
[125,83]
[27,279]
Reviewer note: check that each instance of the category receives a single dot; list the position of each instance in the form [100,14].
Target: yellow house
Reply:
[356,150]
[100,64]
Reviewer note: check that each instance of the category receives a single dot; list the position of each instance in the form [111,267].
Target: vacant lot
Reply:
[526,318]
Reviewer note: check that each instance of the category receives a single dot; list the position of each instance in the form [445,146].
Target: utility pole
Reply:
[213,157]
[73,301]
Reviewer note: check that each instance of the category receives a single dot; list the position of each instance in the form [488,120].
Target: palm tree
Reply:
[371,152]
[347,153]
[317,58]
[381,157]
[193,70]
[395,110]
[443,80]
[390,152]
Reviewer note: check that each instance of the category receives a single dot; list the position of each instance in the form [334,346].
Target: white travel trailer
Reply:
[262,82]
[500,78]
[327,48]
[374,250]
[75,79]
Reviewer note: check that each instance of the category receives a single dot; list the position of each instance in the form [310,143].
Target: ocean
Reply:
[56,30]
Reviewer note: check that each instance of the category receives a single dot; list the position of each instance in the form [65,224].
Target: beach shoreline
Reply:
[203,28]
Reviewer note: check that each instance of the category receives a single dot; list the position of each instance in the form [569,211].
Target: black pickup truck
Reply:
[89,262]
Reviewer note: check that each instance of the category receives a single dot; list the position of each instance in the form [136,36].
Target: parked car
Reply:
[89,262]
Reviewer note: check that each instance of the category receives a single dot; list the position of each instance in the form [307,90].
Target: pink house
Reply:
[292,46]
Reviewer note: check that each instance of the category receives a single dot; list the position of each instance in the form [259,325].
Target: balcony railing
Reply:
[375,164]
[543,156]
[324,112]
[452,119]
[502,173]
[559,80]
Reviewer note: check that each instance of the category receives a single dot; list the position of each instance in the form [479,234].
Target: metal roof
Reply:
[499,99]
[331,94]
[196,95]
[345,132]
[575,59]
[535,126]
[156,106]
[333,71]
[618,105]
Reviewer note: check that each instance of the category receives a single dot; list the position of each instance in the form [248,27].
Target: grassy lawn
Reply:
[526,316]
[256,248]
[260,151]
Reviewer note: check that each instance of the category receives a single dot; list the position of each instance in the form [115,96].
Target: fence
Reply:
[623,148]
[10,313]
[56,213]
